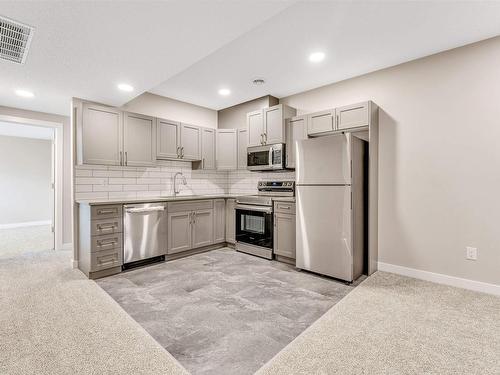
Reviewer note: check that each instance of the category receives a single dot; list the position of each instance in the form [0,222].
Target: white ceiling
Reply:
[357,37]
[187,50]
[84,48]
[10,129]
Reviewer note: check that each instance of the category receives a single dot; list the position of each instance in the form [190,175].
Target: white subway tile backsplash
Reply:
[148,181]
[108,187]
[99,195]
[102,173]
[121,181]
[83,172]
[135,187]
[90,181]
[122,194]
[83,188]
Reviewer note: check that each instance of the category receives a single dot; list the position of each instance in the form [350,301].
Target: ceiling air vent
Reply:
[15,39]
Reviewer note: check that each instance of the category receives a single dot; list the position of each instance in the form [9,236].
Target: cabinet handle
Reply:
[274,220]
[203,163]
[265,138]
[126,158]
[194,217]
[262,139]
[182,152]
[337,122]
[177,151]
[121,158]
[107,226]
[106,211]
[103,243]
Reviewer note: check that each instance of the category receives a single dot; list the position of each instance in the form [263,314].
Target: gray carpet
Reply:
[223,312]
[16,241]
[54,321]
[397,325]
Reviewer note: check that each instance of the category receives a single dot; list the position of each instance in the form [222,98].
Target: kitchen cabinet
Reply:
[230,221]
[178,141]
[321,122]
[227,152]
[295,130]
[255,128]
[179,232]
[268,126]
[242,148]
[219,220]
[190,145]
[353,116]
[203,228]
[167,139]
[100,135]
[208,148]
[284,230]
[139,140]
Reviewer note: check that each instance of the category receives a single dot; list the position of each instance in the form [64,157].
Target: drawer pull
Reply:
[103,243]
[110,259]
[285,207]
[107,226]
[105,212]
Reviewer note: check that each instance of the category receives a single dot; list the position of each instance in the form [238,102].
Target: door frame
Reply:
[58,167]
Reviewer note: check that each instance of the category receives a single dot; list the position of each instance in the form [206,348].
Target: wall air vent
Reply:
[15,39]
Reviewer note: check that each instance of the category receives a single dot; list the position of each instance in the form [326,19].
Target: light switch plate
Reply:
[471,253]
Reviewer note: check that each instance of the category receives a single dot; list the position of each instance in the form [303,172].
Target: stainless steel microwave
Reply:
[266,158]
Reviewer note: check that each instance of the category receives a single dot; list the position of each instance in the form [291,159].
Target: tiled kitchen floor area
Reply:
[223,312]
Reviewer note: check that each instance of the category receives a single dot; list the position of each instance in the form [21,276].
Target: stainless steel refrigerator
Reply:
[330,206]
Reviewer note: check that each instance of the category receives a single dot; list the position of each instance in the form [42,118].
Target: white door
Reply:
[203,228]
[101,135]
[227,153]
[208,148]
[179,232]
[168,134]
[323,226]
[242,148]
[274,126]
[324,160]
[139,140]
[255,127]
[190,142]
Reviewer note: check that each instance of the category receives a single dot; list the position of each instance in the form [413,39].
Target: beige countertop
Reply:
[95,202]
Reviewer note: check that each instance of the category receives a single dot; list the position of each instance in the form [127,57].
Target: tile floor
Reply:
[223,312]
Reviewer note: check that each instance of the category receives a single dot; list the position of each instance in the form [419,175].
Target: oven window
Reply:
[258,158]
[254,228]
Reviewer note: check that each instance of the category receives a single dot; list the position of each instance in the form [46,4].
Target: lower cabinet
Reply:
[219,220]
[284,229]
[179,232]
[230,221]
[202,228]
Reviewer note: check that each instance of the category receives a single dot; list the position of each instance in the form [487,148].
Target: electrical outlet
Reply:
[471,253]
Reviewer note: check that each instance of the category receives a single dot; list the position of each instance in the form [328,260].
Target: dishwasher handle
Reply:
[144,209]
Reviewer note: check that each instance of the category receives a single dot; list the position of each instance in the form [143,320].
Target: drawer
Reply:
[284,207]
[107,242]
[106,212]
[190,206]
[105,259]
[106,226]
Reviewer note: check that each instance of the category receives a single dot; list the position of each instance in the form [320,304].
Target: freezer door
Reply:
[323,223]
[324,160]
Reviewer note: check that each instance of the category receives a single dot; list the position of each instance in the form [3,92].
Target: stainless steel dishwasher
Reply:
[145,232]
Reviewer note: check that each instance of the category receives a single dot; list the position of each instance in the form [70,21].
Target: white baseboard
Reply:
[74,264]
[25,224]
[477,286]
[67,246]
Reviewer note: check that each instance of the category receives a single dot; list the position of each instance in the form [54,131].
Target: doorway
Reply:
[29,200]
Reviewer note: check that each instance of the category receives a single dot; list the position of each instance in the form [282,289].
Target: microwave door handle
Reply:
[271,161]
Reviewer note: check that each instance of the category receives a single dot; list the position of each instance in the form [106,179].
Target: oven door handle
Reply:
[247,207]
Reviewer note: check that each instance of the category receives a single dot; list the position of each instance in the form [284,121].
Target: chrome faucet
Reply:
[176,188]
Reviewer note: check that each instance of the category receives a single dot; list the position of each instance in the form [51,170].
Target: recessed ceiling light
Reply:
[258,81]
[224,92]
[125,87]
[316,57]
[24,93]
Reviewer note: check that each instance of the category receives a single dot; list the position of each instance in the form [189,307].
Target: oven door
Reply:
[259,158]
[254,225]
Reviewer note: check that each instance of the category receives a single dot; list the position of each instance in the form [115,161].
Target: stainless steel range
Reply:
[254,217]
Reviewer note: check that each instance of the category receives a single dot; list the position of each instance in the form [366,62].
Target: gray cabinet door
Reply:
[207,148]
[203,228]
[101,135]
[219,220]
[255,128]
[274,126]
[284,235]
[190,142]
[230,221]
[296,129]
[353,116]
[168,135]
[321,122]
[242,148]
[227,153]
[139,140]
[179,232]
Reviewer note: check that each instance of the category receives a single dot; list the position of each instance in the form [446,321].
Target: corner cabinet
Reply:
[267,126]
[227,149]
[107,136]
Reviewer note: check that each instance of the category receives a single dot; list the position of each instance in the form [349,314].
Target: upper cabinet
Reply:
[353,116]
[178,141]
[267,126]
[99,135]
[321,122]
[190,146]
[295,129]
[227,149]
[139,140]
[242,148]
[207,148]
[108,136]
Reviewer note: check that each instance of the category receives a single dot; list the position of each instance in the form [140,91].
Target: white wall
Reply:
[25,177]
[235,117]
[439,157]
[171,109]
